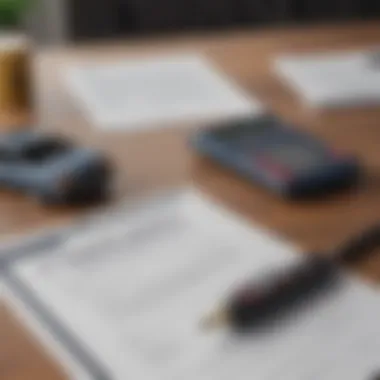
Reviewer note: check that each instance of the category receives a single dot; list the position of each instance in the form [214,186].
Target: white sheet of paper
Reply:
[332,79]
[135,94]
[134,293]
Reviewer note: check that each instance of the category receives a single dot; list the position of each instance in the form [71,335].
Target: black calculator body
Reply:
[285,161]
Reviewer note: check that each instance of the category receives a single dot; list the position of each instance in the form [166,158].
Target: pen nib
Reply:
[214,320]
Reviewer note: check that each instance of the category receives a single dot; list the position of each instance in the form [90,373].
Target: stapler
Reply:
[53,169]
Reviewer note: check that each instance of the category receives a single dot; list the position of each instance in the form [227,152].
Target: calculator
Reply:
[285,161]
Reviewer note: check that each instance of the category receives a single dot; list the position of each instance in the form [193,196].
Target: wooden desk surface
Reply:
[156,159]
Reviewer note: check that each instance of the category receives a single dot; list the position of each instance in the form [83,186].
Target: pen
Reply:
[261,301]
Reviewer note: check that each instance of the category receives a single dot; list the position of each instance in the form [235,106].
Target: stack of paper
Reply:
[333,79]
[144,93]
[126,302]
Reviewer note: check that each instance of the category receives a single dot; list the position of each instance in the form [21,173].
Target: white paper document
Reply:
[332,79]
[138,94]
[132,296]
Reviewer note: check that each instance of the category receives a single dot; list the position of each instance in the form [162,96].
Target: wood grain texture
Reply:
[159,159]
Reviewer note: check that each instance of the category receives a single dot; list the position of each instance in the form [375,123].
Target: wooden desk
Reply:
[160,158]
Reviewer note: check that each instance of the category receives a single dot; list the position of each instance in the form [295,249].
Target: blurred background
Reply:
[62,21]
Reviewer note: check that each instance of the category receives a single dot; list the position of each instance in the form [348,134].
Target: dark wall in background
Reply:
[110,18]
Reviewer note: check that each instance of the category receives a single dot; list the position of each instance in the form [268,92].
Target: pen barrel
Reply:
[268,300]
[360,247]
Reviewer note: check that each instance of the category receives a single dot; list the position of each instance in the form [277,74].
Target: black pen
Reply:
[260,301]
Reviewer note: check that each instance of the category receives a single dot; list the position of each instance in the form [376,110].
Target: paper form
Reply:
[332,79]
[139,94]
[135,302]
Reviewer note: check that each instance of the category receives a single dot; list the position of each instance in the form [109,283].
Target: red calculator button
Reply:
[275,168]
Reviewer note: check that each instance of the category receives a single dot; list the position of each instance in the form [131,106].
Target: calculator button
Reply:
[273,167]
